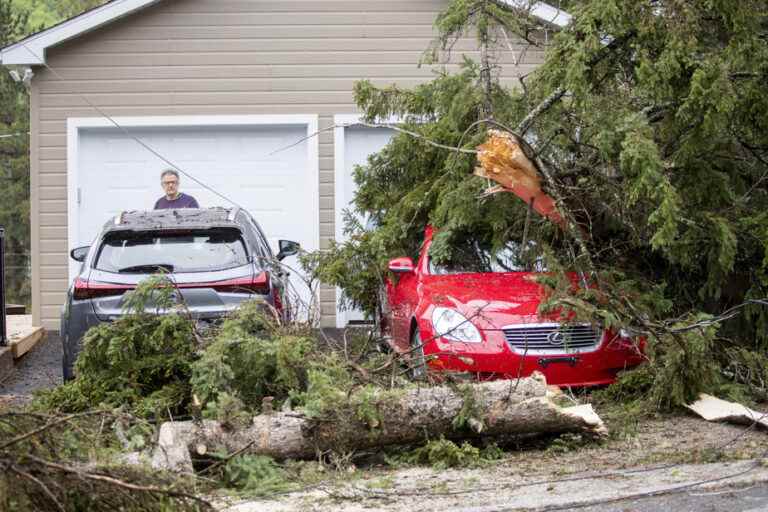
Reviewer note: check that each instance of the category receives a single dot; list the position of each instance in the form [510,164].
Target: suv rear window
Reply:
[173,251]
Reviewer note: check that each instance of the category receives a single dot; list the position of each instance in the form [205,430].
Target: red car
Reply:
[480,316]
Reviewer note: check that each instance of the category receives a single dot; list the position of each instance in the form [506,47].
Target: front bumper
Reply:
[494,358]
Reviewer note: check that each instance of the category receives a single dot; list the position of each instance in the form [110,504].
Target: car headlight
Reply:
[453,326]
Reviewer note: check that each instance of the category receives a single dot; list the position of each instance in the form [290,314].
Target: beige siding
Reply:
[201,57]
[38,220]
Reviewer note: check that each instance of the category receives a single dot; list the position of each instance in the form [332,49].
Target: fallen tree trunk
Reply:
[489,409]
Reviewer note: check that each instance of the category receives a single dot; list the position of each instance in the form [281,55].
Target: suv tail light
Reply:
[84,289]
[259,283]
[255,284]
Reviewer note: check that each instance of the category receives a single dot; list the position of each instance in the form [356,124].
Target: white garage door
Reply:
[354,144]
[115,173]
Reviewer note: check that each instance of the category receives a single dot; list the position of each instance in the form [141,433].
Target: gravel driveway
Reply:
[40,368]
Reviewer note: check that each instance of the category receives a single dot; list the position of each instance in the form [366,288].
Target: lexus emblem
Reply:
[556,338]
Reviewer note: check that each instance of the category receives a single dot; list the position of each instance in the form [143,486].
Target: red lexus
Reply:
[480,314]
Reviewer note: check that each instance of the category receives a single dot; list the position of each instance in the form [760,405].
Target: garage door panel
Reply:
[121,150]
[359,143]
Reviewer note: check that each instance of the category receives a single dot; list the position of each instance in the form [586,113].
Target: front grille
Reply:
[551,337]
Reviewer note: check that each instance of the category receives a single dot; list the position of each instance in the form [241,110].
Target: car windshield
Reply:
[172,251]
[472,258]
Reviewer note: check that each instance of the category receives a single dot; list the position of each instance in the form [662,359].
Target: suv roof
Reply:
[173,219]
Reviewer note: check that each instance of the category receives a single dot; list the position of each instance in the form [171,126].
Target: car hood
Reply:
[491,301]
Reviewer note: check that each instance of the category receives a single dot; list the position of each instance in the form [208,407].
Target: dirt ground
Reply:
[652,455]
[665,442]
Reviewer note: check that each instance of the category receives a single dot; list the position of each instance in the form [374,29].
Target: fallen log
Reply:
[490,409]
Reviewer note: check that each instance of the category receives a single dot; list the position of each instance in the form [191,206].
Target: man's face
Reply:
[170,185]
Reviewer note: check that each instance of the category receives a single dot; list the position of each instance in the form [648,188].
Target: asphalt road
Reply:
[749,499]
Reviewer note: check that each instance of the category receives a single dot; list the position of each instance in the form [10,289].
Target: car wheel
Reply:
[418,362]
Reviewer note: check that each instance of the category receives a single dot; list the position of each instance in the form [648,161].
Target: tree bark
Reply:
[542,107]
[485,69]
[492,409]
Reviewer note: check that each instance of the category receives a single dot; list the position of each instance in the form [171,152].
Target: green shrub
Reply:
[682,363]
[443,453]
[256,475]
[142,362]
[252,357]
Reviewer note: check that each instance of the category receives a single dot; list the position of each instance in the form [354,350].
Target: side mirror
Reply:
[402,265]
[79,253]
[287,248]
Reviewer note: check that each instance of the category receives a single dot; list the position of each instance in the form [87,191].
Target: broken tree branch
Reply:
[504,159]
[116,482]
[542,107]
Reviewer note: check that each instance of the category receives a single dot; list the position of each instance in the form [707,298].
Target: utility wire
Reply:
[128,134]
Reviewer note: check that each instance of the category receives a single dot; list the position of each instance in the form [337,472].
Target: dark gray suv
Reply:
[217,258]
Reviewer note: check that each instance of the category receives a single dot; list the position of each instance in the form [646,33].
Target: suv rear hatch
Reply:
[211,268]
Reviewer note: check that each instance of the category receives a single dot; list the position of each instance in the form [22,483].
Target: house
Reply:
[243,95]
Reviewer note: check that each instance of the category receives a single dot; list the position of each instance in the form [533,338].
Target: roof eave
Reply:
[31,50]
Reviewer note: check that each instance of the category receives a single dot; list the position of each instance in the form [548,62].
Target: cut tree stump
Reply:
[498,408]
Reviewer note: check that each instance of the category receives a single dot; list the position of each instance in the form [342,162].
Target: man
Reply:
[169,179]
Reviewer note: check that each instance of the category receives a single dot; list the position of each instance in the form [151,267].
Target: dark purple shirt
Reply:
[182,201]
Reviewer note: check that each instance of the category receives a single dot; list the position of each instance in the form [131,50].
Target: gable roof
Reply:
[31,50]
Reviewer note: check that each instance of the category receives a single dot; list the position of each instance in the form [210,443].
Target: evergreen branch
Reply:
[561,91]
[722,317]
[40,484]
[391,126]
[117,482]
[572,227]
[542,107]
[416,135]
[58,421]
[526,36]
